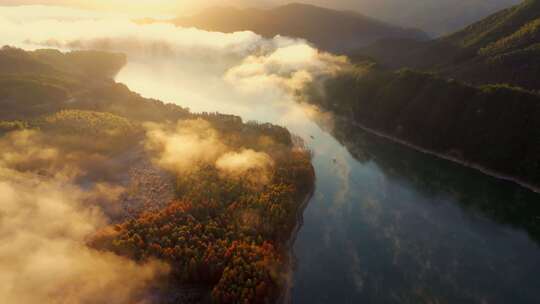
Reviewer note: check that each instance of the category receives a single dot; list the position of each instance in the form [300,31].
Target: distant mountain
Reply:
[436,17]
[331,30]
[503,48]
[497,26]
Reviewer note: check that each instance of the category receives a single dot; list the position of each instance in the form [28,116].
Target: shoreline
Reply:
[471,165]
[285,295]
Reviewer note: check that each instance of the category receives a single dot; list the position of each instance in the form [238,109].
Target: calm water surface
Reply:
[386,224]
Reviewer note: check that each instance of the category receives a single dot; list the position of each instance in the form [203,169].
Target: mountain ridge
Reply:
[316,24]
[502,48]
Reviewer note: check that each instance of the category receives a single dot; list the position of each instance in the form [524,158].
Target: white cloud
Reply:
[44,224]
[184,146]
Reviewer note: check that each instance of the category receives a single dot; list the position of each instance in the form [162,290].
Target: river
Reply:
[386,224]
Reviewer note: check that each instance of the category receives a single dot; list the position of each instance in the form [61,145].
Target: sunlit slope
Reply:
[497,26]
[331,30]
[44,81]
[503,48]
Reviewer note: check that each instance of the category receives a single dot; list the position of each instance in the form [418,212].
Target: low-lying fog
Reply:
[239,73]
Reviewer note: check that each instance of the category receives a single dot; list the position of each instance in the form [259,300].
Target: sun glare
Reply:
[141,7]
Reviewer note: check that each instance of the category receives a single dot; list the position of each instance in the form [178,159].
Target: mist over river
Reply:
[386,224]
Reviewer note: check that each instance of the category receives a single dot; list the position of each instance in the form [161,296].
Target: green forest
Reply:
[494,126]
[502,48]
[471,96]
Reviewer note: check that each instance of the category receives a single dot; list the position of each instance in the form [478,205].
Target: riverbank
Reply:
[285,296]
[461,162]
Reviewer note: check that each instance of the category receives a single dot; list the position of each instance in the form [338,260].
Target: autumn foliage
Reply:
[222,232]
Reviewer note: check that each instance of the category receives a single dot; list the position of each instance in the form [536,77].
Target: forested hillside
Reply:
[503,48]
[44,81]
[330,30]
[213,197]
[495,127]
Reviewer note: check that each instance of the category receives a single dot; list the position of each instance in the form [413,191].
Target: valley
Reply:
[282,154]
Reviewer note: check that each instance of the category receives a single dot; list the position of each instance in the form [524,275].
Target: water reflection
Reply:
[478,195]
[415,229]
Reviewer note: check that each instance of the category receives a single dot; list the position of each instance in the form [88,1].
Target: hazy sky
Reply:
[434,16]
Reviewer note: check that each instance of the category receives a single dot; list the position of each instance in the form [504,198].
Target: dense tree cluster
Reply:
[519,39]
[226,232]
[222,232]
[495,126]
[29,98]
[90,131]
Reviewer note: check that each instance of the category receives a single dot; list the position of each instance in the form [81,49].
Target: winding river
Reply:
[386,224]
